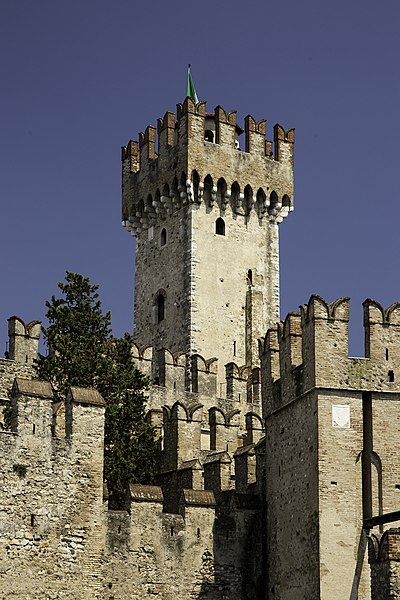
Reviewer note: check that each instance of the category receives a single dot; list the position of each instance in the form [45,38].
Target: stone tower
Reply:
[205,213]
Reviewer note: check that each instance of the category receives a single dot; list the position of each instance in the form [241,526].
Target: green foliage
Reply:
[130,447]
[76,337]
[83,353]
[20,470]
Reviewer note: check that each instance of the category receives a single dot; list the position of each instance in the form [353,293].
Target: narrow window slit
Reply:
[220,226]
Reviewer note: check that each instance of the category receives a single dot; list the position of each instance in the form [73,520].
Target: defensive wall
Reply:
[22,349]
[56,527]
[224,514]
[331,431]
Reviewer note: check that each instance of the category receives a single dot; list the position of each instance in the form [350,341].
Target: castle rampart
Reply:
[198,535]
[319,430]
[51,496]
[20,356]
[274,452]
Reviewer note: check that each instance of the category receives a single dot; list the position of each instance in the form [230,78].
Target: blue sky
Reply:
[80,78]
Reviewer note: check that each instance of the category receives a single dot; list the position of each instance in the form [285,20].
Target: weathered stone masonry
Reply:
[274,444]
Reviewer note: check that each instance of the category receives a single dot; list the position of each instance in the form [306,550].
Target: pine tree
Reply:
[82,352]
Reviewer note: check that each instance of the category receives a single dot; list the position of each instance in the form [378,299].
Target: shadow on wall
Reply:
[362,546]
[239,550]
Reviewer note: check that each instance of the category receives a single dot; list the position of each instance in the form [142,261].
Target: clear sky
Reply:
[80,78]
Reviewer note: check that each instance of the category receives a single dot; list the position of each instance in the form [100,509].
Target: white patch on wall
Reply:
[341,416]
[150,233]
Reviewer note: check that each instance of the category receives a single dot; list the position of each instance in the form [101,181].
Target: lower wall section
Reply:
[210,552]
[151,554]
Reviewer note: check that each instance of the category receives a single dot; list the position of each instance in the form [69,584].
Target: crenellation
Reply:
[382,332]
[218,472]
[224,429]
[130,159]
[225,127]
[181,137]
[254,428]
[204,375]
[143,359]
[171,369]
[270,370]
[313,351]
[166,132]
[290,351]
[325,339]
[317,428]
[255,135]
[206,197]
[289,408]
[283,144]
[147,141]
[23,340]
[236,382]
[182,434]
[245,468]
[32,411]
[49,486]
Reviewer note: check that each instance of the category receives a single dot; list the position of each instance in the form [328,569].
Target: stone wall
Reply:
[59,540]
[154,554]
[326,414]
[23,342]
[51,514]
[206,215]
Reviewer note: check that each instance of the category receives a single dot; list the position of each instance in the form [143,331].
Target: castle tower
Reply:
[205,213]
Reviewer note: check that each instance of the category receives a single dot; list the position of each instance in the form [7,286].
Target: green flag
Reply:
[190,89]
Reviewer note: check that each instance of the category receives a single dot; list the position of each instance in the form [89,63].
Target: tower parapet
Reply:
[193,164]
[313,351]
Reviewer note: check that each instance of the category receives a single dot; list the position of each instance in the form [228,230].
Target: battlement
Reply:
[219,127]
[310,349]
[23,340]
[36,417]
[198,160]
[181,374]
[20,356]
